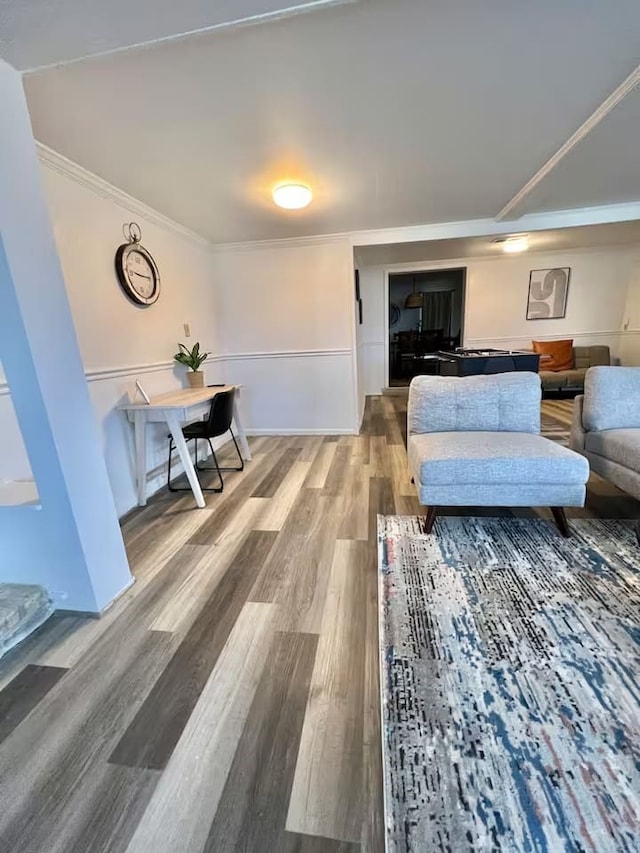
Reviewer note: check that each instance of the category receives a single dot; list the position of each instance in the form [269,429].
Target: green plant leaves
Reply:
[191,358]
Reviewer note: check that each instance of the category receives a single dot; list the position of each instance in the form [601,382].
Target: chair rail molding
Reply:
[614,333]
[100,374]
[303,353]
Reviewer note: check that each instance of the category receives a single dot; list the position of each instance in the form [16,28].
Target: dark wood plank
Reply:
[52,762]
[381,502]
[252,811]
[109,811]
[269,485]
[21,695]
[156,728]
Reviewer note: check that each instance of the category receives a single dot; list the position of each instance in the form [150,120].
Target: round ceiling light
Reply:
[516,244]
[292,196]
[513,245]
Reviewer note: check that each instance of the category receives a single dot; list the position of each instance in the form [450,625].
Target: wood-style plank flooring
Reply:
[230,699]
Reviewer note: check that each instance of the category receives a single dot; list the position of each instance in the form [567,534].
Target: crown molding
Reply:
[233,24]
[283,243]
[69,169]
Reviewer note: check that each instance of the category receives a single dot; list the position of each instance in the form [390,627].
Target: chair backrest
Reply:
[220,413]
[585,357]
[611,398]
[505,402]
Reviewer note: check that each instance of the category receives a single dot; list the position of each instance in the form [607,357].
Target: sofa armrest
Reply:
[578,434]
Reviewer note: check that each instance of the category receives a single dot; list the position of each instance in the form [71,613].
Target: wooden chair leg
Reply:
[560,518]
[429,519]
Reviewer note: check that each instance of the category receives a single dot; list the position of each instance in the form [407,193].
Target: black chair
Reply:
[216,424]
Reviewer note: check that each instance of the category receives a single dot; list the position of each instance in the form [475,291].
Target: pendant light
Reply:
[413,300]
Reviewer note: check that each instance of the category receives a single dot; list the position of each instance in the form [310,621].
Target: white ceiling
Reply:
[560,239]
[37,33]
[396,112]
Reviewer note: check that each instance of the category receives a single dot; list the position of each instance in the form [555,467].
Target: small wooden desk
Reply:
[174,409]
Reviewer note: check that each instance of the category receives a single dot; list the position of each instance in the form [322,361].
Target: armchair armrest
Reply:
[578,433]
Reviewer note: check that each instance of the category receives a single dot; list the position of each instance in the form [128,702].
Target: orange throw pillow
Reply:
[554,355]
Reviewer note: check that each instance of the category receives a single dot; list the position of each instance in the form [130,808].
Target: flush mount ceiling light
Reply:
[292,196]
[514,244]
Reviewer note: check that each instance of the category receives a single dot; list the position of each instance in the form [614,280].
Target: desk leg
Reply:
[140,440]
[175,429]
[242,437]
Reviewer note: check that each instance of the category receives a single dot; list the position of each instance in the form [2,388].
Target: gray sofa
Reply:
[606,425]
[573,380]
[475,441]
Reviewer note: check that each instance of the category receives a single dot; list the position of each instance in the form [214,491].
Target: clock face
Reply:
[138,273]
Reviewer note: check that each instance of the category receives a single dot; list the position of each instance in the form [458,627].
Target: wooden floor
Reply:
[230,699]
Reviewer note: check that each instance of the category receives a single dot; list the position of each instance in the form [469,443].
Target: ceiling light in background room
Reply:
[515,244]
[292,196]
[413,300]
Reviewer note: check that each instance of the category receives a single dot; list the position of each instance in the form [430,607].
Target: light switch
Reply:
[187,330]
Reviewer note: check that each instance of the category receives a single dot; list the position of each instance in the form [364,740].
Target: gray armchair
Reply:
[475,441]
[606,425]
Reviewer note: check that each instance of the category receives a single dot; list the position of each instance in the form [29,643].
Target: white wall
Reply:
[288,334]
[630,343]
[119,341]
[496,303]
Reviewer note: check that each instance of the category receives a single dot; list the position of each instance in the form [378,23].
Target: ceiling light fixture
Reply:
[414,300]
[512,243]
[292,196]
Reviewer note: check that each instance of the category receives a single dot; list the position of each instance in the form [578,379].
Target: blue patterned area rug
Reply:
[510,661]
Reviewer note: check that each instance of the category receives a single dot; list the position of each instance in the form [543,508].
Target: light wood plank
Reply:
[252,810]
[355,502]
[275,515]
[319,470]
[78,641]
[180,812]
[327,793]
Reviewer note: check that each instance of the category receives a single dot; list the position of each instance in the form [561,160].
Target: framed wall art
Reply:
[548,291]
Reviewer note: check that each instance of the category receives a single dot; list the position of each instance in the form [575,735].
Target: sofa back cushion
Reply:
[611,398]
[504,402]
[555,355]
[591,356]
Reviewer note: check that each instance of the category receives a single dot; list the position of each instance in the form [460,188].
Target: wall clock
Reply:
[136,269]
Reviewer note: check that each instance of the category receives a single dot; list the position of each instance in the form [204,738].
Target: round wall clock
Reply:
[136,269]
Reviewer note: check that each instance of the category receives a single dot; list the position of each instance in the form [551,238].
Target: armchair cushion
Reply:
[620,445]
[507,402]
[611,398]
[499,458]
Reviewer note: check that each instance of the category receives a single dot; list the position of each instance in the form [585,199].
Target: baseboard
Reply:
[259,432]
[95,614]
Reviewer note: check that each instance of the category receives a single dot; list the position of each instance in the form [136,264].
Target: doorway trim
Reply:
[407,269]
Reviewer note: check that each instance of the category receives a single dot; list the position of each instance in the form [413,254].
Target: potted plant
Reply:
[192,358]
